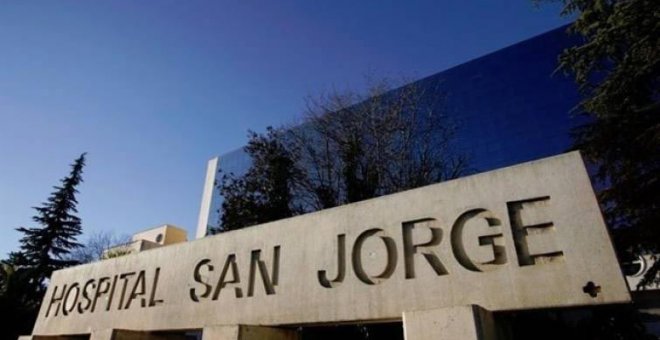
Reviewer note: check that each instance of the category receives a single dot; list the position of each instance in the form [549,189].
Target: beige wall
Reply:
[163,235]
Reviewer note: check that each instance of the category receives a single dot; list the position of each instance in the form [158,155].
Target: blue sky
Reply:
[153,89]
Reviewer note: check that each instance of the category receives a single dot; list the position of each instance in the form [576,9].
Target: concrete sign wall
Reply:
[527,236]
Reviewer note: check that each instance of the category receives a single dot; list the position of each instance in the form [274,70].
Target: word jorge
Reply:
[477,242]
[119,292]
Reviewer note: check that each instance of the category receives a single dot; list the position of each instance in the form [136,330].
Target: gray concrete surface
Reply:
[528,236]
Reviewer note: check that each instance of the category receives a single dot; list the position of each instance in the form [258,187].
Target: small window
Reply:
[159,238]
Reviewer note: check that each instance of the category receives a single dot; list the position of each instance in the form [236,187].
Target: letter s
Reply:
[198,278]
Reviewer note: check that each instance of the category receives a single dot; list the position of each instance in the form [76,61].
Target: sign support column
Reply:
[121,334]
[242,332]
[466,322]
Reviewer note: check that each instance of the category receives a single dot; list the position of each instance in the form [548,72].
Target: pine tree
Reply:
[617,68]
[44,249]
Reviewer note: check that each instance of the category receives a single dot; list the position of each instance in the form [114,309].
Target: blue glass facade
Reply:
[509,106]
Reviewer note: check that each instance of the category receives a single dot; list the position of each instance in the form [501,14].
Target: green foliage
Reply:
[614,322]
[18,307]
[265,192]
[617,68]
[359,146]
[349,148]
[117,253]
[43,250]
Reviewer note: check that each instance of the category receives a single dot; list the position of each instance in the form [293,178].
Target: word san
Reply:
[212,280]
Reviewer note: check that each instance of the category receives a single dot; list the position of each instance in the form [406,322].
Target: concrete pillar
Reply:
[466,323]
[248,333]
[121,334]
[105,334]
[207,198]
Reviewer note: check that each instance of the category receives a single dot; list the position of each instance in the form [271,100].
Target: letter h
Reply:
[54,299]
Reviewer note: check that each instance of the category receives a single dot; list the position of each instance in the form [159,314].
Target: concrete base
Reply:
[209,333]
[121,334]
[248,333]
[51,337]
[108,334]
[466,323]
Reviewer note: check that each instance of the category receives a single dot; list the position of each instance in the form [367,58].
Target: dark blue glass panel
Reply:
[509,106]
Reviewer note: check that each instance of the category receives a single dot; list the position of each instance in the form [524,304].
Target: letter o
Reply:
[390,245]
[68,307]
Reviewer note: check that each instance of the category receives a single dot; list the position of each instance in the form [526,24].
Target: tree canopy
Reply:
[95,245]
[265,193]
[617,68]
[349,147]
[43,249]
